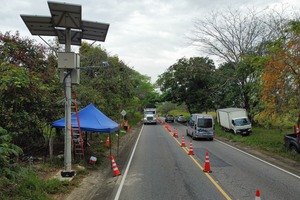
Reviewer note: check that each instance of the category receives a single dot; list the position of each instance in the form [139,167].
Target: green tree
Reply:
[8,152]
[28,85]
[238,37]
[189,81]
[114,86]
[225,87]
[280,77]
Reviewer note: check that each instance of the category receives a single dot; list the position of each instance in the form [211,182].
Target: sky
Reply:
[147,35]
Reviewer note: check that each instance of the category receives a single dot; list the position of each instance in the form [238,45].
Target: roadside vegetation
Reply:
[268,140]
[260,72]
[32,97]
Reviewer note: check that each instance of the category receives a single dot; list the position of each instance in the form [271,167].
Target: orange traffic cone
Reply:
[169,128]
[114,167]
[128,129]
[107,141]
[175,134]
[191,151]
[207,164]
[182,141]
[257,195]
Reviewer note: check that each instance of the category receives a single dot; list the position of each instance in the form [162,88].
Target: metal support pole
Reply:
[68,139]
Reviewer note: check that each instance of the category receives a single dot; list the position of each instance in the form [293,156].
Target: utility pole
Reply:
[68,138]
[66,24]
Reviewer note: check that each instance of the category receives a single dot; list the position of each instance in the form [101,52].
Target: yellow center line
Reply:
[198,164]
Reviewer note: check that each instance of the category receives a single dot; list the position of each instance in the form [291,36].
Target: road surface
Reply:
[160,168]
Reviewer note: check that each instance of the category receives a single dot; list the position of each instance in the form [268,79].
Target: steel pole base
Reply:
[67,173]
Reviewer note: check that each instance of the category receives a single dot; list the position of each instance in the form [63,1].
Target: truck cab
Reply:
[150,116]
[241,125]
[201,126]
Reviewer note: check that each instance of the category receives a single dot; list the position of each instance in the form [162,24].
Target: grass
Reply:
[28,185]
[36,183]
[268,140]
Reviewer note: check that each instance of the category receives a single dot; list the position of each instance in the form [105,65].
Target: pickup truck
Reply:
[292,142]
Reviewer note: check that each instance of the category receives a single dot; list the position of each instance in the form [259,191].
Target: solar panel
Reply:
[65,16]
[39,25]
[94,30]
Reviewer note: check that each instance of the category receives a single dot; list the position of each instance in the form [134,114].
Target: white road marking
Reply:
[261,160]
[127,168]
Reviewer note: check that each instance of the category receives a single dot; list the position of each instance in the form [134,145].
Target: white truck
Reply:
[201,126]
[150,114]
[234,119]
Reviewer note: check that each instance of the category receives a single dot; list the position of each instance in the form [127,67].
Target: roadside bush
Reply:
[28,185]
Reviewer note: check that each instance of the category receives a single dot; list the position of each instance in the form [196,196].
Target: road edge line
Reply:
[259,159]
[128,165]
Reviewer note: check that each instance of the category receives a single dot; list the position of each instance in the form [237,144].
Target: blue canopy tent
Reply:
[91,120]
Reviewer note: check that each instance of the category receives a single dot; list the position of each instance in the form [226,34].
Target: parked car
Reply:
[169,118]
[292,142]
[181,119]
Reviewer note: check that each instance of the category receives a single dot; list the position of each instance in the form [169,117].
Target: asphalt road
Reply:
[160,169]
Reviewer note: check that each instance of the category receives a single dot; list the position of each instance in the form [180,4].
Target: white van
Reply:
[201,126]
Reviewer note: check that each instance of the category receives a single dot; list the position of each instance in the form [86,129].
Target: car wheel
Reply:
[193,136]
[294,150]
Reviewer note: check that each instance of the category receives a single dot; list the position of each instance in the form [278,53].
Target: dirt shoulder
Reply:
[100,184]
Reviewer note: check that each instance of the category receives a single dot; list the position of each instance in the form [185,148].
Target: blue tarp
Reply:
[91,119]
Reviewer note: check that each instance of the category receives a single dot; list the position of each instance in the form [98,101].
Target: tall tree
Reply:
[28,84]
[281,82]
[237,37]
[114,86]
[188,81]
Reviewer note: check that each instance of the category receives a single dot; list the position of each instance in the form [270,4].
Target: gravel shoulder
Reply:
[100,184]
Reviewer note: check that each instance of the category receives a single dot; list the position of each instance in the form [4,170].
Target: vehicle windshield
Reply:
[149,112]
[205,123]
[241,122]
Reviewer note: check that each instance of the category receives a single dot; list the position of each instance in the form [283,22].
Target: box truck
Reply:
[150,114]
[201,126]
[234,119]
